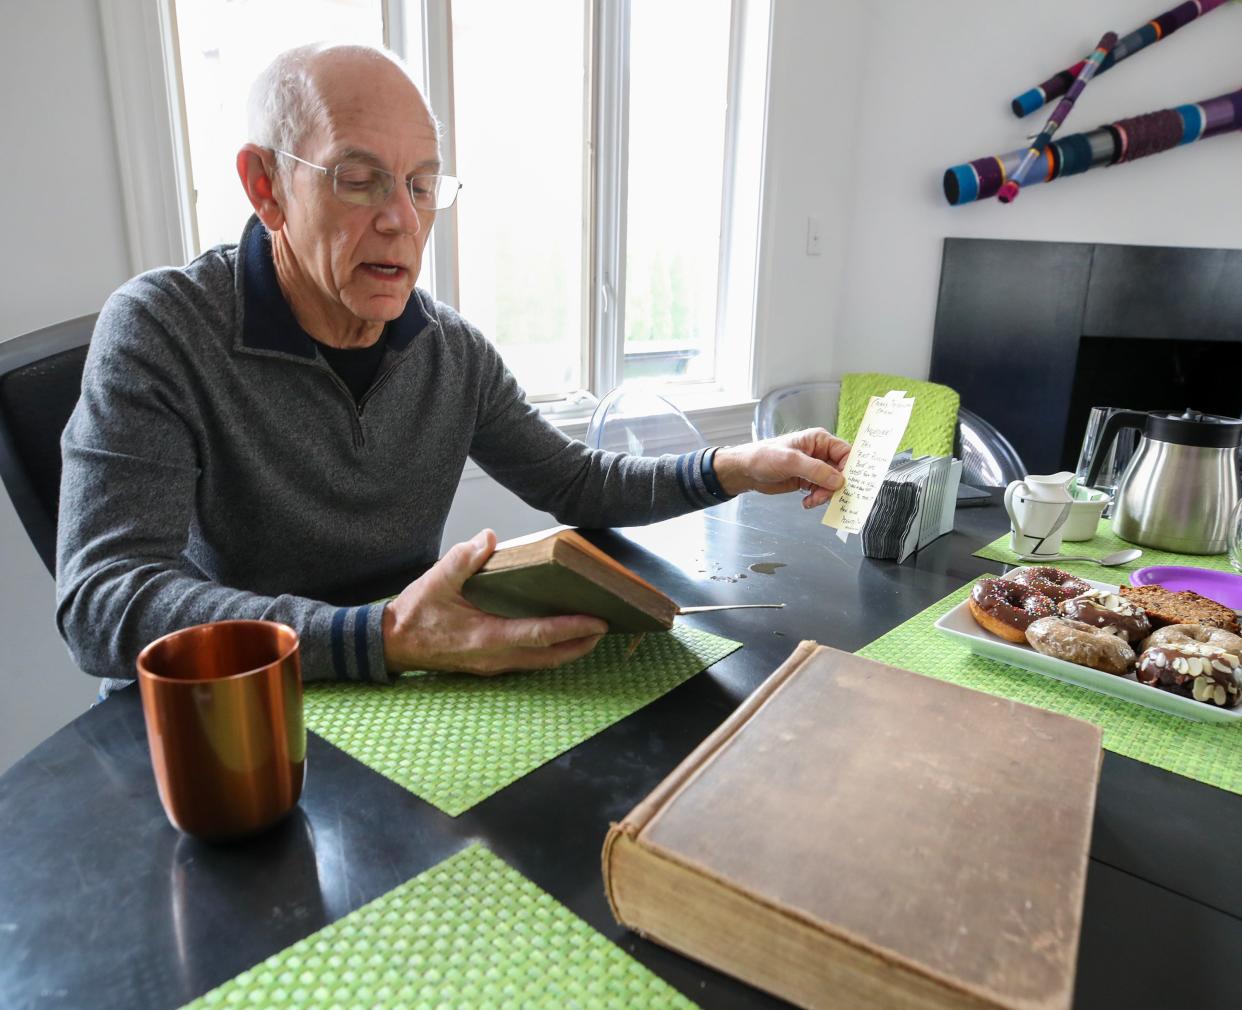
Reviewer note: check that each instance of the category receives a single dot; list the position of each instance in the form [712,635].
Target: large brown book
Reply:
[561,572]
[856,836]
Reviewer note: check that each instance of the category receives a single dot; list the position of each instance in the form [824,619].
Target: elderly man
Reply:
[277,429]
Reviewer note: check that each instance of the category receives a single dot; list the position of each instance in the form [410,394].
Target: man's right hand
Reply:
[431,626]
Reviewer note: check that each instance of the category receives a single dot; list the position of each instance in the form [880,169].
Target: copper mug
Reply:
[223,707]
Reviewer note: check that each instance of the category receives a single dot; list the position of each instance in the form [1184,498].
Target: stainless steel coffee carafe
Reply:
[1182,483]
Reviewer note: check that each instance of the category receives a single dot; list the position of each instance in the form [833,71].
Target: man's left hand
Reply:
[808,460]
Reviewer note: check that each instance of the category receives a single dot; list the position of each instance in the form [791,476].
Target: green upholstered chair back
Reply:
[933,421]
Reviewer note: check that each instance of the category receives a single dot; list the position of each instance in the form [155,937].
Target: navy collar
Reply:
[268,323]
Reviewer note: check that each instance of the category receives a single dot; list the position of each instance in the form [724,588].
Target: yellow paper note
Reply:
[882,428]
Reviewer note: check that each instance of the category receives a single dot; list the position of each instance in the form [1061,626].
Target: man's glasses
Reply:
[366,185]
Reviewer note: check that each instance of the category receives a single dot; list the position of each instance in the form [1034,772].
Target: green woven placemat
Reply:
[454,739]
[1208,752]
[469,933]
[1104,542]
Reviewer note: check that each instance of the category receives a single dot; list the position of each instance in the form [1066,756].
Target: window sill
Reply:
[722,418]
[712,413]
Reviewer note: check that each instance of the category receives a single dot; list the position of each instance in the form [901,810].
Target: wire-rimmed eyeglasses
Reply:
[367,185]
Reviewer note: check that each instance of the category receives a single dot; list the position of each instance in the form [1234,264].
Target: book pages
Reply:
[881,431]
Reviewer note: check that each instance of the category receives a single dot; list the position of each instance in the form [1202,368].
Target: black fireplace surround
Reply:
[1033,334]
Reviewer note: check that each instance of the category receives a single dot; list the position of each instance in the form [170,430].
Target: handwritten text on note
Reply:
[881,431]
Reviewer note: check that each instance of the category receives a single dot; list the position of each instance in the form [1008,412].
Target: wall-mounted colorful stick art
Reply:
[1124,140]
[1152,32]
[1013,185]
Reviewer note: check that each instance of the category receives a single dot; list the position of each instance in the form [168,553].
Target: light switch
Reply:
[812,236]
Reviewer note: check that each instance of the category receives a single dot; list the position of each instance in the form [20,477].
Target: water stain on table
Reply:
[766,567]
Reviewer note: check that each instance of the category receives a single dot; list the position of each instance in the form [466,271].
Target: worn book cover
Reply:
[855,835]
[561,572]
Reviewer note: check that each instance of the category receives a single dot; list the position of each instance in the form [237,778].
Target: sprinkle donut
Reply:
[1006,607]
[1052,582]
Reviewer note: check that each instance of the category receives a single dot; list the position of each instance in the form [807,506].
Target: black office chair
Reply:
[988,458]
[40,380]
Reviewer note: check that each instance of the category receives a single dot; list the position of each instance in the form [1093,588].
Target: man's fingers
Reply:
[824,445]
[466,558]
[541,658]
[544,632]
[817,472]
[816,498]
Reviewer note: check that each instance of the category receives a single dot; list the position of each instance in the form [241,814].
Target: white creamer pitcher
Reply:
[1038,507]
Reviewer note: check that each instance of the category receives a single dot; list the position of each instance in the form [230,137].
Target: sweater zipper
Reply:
[359,433]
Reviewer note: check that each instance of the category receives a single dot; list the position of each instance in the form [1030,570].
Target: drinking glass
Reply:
[1116,459]
[223,707]
[1235,537]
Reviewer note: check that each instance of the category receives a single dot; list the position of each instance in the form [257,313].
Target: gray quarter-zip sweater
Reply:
[216,467]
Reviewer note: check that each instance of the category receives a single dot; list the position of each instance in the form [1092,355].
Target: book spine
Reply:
[641,815]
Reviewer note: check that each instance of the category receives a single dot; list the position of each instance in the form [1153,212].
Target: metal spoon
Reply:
[1108,561]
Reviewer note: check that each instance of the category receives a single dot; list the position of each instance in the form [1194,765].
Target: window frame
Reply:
[428,26]
[143,61]
[148,116]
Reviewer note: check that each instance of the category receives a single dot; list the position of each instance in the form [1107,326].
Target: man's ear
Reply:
[256,167]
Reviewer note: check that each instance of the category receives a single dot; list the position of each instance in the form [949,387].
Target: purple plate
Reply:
[1223,587]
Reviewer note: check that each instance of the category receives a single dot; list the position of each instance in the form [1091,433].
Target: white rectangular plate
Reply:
[959,624]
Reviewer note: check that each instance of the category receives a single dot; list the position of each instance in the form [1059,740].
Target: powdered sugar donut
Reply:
[1178,635]
[1080,643]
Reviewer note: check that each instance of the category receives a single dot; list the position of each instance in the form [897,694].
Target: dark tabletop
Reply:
[104,905]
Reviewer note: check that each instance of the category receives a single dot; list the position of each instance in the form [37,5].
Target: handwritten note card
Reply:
[882,428]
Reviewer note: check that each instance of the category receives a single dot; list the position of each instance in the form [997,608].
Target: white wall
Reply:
[64,252]
[935,89]
[817,57]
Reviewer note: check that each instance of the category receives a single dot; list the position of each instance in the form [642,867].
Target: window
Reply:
[519,137]
[223,44]
[674,182]
[611,155]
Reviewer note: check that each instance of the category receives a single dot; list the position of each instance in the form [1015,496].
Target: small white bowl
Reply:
[1085,514]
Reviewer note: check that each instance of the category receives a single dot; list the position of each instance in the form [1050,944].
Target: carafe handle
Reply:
[1014,485]
[1117,421]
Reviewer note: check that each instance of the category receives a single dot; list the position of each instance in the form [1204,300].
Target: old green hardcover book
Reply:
[563,573]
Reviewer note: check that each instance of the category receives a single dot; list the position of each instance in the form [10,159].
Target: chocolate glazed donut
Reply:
[1006,607]
[1195,670]
[1052,582]
[1112,613]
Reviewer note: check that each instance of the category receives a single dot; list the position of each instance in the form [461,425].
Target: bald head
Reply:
[302,90]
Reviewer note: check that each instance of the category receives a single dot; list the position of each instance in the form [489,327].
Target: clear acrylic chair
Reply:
[988,458]
[792,408]
[642,423]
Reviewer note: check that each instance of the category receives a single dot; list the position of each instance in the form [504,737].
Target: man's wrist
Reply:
[721,474]
[388,630]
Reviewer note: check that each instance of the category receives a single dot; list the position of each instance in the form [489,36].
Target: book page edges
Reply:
[555,545]
[575,540]
[782,951]
[598,567]
[569,549]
